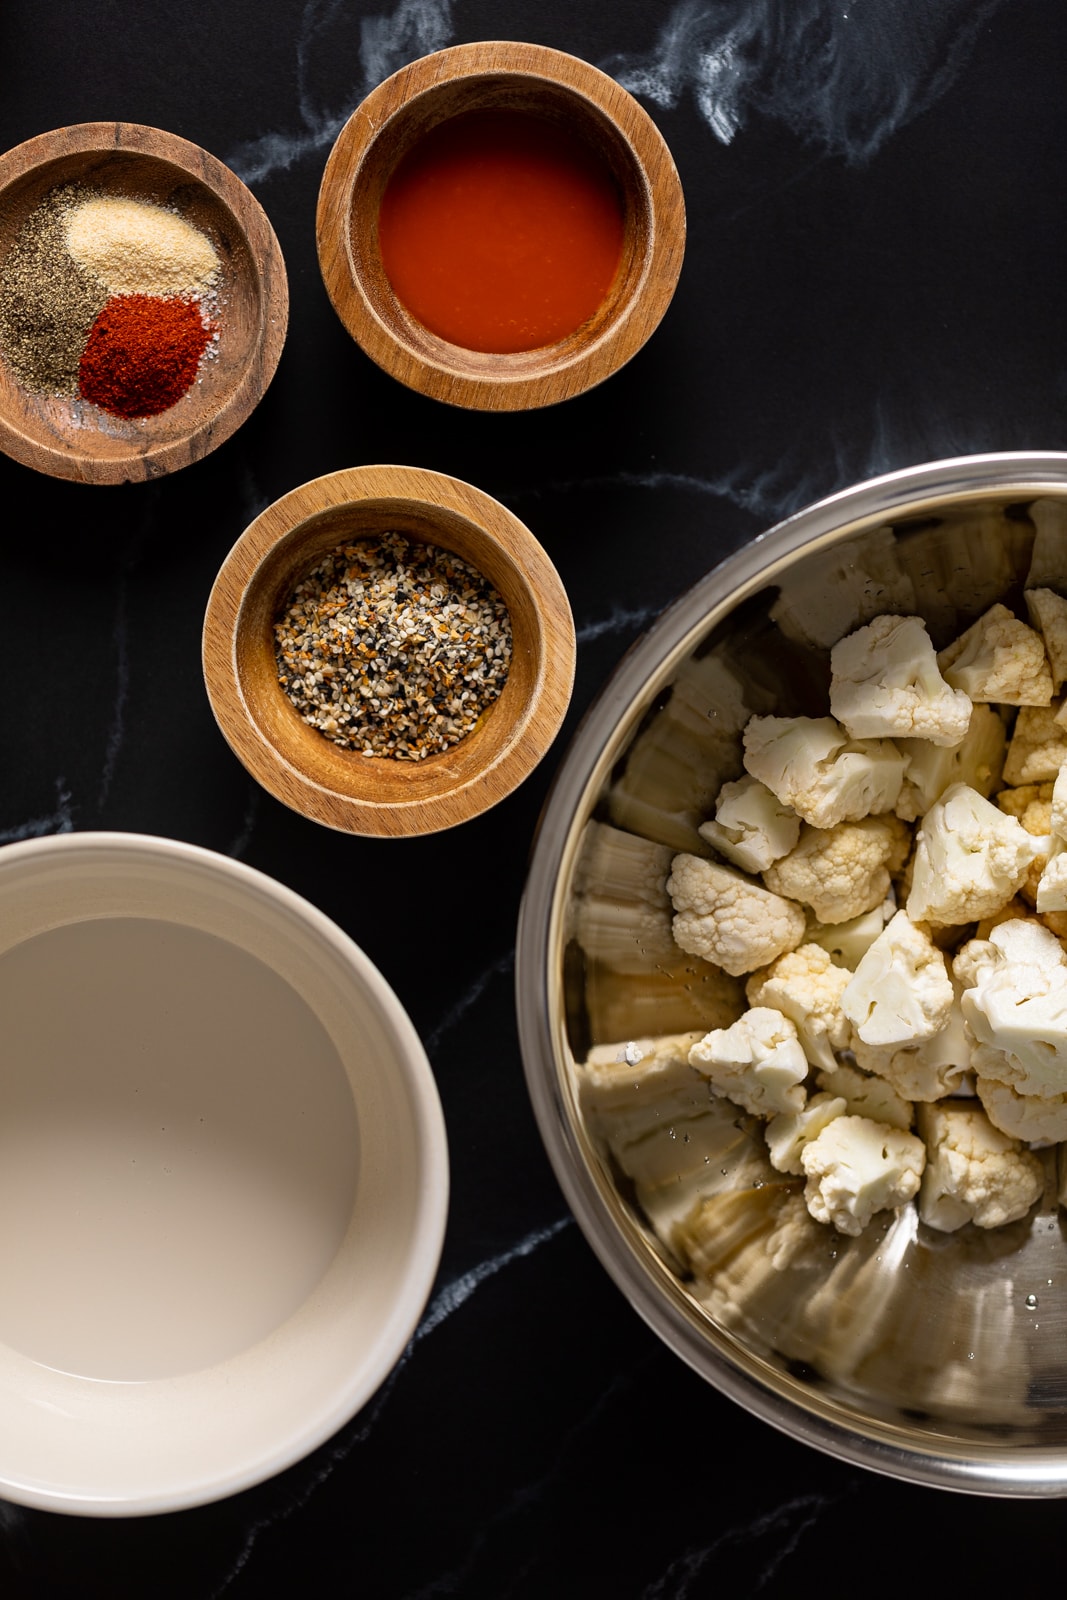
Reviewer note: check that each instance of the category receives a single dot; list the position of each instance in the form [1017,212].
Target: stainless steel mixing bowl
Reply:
[934,1357]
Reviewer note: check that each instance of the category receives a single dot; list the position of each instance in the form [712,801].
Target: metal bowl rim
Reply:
[1027,1473]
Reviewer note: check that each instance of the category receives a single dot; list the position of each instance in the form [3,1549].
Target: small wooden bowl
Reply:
[522,77]
[377,794]
[72,439]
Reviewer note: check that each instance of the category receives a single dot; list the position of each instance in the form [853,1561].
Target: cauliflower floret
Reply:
[790,1131]
[1048,614]
[929,769]
[727,919]
[1051,892]
[846,943]
[751,826]
[856,1167]
[885,684]
[1034,1119]
[969,859]
[927,1071]
[900,993]
[1038,747]
[1015,1004]
[843,871]
[867,1096]
[811,765]
[806,987]
[999,658]
[757,1062]
[974,1172]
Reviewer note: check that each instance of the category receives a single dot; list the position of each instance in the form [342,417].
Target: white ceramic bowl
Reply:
[223,1175]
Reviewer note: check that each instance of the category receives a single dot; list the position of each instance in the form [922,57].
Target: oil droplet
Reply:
[1031,1302]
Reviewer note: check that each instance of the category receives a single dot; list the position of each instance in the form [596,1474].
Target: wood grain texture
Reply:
[71,439]
[372,794]
[523,77]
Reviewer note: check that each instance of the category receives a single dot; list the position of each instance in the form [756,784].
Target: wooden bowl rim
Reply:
[512,382]
[155,460]
[532,731]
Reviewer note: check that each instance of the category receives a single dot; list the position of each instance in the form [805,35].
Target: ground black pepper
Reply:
[48,302]
[392,647]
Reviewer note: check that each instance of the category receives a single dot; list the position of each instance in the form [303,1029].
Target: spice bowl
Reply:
[224,1179]
[202,330]
[369,261]
[342,787]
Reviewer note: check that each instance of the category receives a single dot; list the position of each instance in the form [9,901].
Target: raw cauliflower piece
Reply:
[974,1172]
[811,765]
[1015,1004]
[866,1096]
[1048,614]
[927,1071]
[751,826]
[999,658]
[1038,746]
[900,993]
[806,987]
[757,1063]
[1031,804]
[843,871]
[1034,1119]
[846,943]
[885,683]
[727,919]
[929,769]
[969,859]
[790,1131]
[856,1167]
[1052,886]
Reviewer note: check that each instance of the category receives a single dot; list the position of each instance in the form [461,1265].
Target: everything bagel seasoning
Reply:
[391,647]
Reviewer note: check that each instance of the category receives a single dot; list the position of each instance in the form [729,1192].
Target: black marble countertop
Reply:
[875,277]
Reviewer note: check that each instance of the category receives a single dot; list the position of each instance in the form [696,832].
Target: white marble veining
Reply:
[775,1535]
[468,998]
[387,42]
[243,838]
[61,820]
[447,1300]
[843,76]
[621,619]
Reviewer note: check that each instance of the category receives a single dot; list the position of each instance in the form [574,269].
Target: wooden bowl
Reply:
[590,106]
[378,794]
[72,439]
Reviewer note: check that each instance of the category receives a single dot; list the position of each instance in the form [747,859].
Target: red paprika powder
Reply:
[142,354]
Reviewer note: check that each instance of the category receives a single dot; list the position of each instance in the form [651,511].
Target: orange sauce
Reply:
[500,232]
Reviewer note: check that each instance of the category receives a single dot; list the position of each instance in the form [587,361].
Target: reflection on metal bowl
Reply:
[934,1357]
